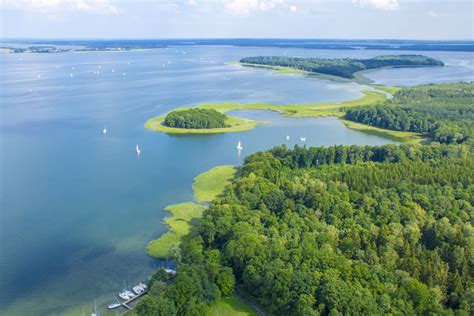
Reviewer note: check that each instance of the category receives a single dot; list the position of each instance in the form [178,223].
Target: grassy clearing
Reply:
[231,306]
[180,223]
[208,185]
[406,137]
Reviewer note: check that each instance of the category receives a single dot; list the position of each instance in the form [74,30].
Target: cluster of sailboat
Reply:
[127,295]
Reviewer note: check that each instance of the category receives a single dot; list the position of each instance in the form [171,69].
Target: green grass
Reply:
[180,223]
[230,306]
[185,216]
[302,110]
[208,185]
[405,137]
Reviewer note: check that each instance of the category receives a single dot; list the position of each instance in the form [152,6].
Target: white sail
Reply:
[303,139]
[104,131]
[239,146]
[138,150]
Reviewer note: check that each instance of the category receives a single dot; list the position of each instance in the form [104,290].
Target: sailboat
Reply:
[72,76]
[239,146]
[104,131]
[303,139]
[95,313]
[138,150]
[287,137]
[114,305]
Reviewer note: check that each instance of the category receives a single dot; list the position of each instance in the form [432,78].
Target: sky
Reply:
[362,19]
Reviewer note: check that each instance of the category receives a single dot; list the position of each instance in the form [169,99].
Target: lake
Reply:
[78,207]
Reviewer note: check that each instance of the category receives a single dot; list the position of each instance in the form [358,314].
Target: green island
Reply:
[231,124]
[364,230]
[338,68]
[236,124]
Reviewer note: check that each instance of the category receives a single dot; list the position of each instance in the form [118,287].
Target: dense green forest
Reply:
[346,229]
[195,118]
[443,111]
[342,67]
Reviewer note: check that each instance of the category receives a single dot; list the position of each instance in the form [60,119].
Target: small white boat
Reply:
[72,76]
[163,65]
[104,131]
[113,70]
[130,294]
[124,296]
[287,137]
[137,149]
[137,290]
[171,271]
[123,74]
[239,146]
[113,305]
[303,139]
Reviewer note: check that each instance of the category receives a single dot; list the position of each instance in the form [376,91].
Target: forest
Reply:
[195,118]
[327,231]
[444,112]
[342,67]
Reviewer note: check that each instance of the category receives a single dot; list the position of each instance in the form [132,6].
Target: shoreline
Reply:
[185,216]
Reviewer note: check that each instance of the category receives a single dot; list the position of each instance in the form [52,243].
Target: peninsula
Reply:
[339,68]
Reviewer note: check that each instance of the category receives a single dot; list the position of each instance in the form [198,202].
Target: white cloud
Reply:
[55,6]
[432,14]
[293,8]
[245,7]
[386,5]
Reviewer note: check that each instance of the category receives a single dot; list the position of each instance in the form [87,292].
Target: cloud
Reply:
[432,14]
[246,7]
[55,6]
[293,8]
[386,5]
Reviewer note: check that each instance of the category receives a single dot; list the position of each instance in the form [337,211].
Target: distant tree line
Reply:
[358,230]
[195,118]
[342,67]
[444,111]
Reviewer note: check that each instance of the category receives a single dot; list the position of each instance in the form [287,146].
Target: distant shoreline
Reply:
[328,44]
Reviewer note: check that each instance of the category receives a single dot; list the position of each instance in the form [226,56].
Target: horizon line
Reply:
[231,38]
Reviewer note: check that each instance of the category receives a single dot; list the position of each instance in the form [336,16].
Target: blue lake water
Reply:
[78,207]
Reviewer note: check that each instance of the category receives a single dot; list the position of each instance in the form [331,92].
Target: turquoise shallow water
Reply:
[78,207]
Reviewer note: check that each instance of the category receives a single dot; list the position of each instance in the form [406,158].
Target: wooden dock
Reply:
[126,303]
